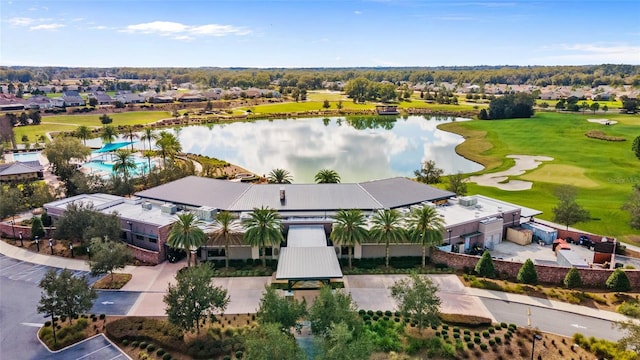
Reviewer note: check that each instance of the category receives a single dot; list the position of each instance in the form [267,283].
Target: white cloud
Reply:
[99,27]
[46,27]
[21,21]
[591,54]
[180,31]
[358,12]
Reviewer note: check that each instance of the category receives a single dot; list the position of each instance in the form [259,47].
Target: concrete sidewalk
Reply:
[546,303]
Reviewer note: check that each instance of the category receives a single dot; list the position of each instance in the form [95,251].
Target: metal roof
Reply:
[198,191]
[308,263]
[306,236]
[397,192]
[306,197]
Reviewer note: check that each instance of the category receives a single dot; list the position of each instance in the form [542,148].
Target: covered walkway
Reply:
[307,257]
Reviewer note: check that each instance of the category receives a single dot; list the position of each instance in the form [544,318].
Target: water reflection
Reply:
[358,148]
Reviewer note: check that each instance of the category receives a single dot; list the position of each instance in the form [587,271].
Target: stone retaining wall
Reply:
[546,274]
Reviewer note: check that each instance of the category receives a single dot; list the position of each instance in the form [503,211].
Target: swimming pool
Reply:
[106,168]
[27,156]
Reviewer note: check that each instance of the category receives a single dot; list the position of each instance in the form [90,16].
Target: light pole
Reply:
[88,253]
[533,345]
[13,223]
[51,245]
[71,248]
[20,236]
[449,231]
[37,244]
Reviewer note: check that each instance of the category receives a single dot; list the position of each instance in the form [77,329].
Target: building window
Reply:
[153,240]
[139,237]
[123,235]
[344,251]
[215,252]
[268,251]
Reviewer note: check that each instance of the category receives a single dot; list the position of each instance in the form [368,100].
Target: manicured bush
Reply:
[467,332]
[572,280]
[102,316]
[239,354]
[477,340]
[486,334]
[388,313]
[456,329]
[492,342]
[47,323]
[483,347]
[527,273]
[142,345]
[445,326]
[125,342]
[498,340]
[484,266]
[470,345]
[160,352]
[134,344]
[618,281]
[503,324]
[467,338]
[361,312]
[166,356]
[151,348]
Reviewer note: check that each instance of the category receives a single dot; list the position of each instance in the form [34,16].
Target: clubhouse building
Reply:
[306,212]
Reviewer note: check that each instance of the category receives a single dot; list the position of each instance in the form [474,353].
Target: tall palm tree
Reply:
[327,176]
[123,163]
[387,227]
[185,234]
[84,133]
[225,227]
[349,229]
[263,228]
[130,135]
[279,176]
[168,145]
[148,135]
[109,133]
[426,228]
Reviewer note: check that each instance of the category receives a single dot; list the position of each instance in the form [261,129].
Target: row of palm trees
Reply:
[282,176]
[263,228]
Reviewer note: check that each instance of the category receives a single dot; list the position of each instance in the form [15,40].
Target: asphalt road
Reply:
[19,320]
[553,321]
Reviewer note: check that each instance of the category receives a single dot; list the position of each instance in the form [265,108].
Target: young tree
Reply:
[62,152]
[107,256]
[186,234]
[631,340]
[326,104]
[279,176]
[331,307]
[82,222]
[276,309]
[105,119]
[36,227]
[457,184]
[349,229]
[65,294]
[342,344]
[387,228]
[417,297]
[568,211]
[618,281]
[429,173]
[426,228]
[572,280]
[484,266]
[268,342]
[527,273]
[263,228]
[193,298]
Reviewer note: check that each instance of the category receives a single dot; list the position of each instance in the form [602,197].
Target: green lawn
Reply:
[612,105]
[70,122]
[291,107]
[322,95]
[602,171]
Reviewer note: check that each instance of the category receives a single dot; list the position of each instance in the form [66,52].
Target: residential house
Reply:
[102,97]
[190,97]
[127,97]
[9,102]
[39,102]
[72,98]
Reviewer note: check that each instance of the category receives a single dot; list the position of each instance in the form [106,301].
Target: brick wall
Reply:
[546,274]
[148,256]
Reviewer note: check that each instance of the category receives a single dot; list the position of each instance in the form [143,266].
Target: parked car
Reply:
[585,241]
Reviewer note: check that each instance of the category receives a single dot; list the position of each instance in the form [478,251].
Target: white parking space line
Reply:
[9,267]
[93,352]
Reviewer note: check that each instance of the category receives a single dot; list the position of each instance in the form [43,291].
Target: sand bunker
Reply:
[501,179]
[602,121]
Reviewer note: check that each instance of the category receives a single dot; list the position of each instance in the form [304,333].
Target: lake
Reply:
[359,148]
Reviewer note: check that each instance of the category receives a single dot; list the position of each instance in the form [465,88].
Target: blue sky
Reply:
[306,33]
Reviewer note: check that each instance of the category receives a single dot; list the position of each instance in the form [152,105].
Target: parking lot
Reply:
[22,271]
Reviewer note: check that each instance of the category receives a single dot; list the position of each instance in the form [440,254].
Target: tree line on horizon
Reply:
[313,78]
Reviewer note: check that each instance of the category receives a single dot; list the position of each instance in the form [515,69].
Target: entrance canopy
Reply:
[112,147]
[307,256]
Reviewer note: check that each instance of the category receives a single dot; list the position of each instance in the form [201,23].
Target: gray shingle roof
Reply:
[17,168]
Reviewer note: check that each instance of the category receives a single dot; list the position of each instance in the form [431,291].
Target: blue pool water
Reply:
[99,166]
[26,156]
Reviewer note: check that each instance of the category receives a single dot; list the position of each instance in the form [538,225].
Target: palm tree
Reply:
[327,176]
[263,228]
[387,228]
[279,176]
[168,145]
[123,163]
[225,227]
[148,135]
[426,228]
[349,229]
[130,135]
[109,133]
[83,132]
[185,234]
